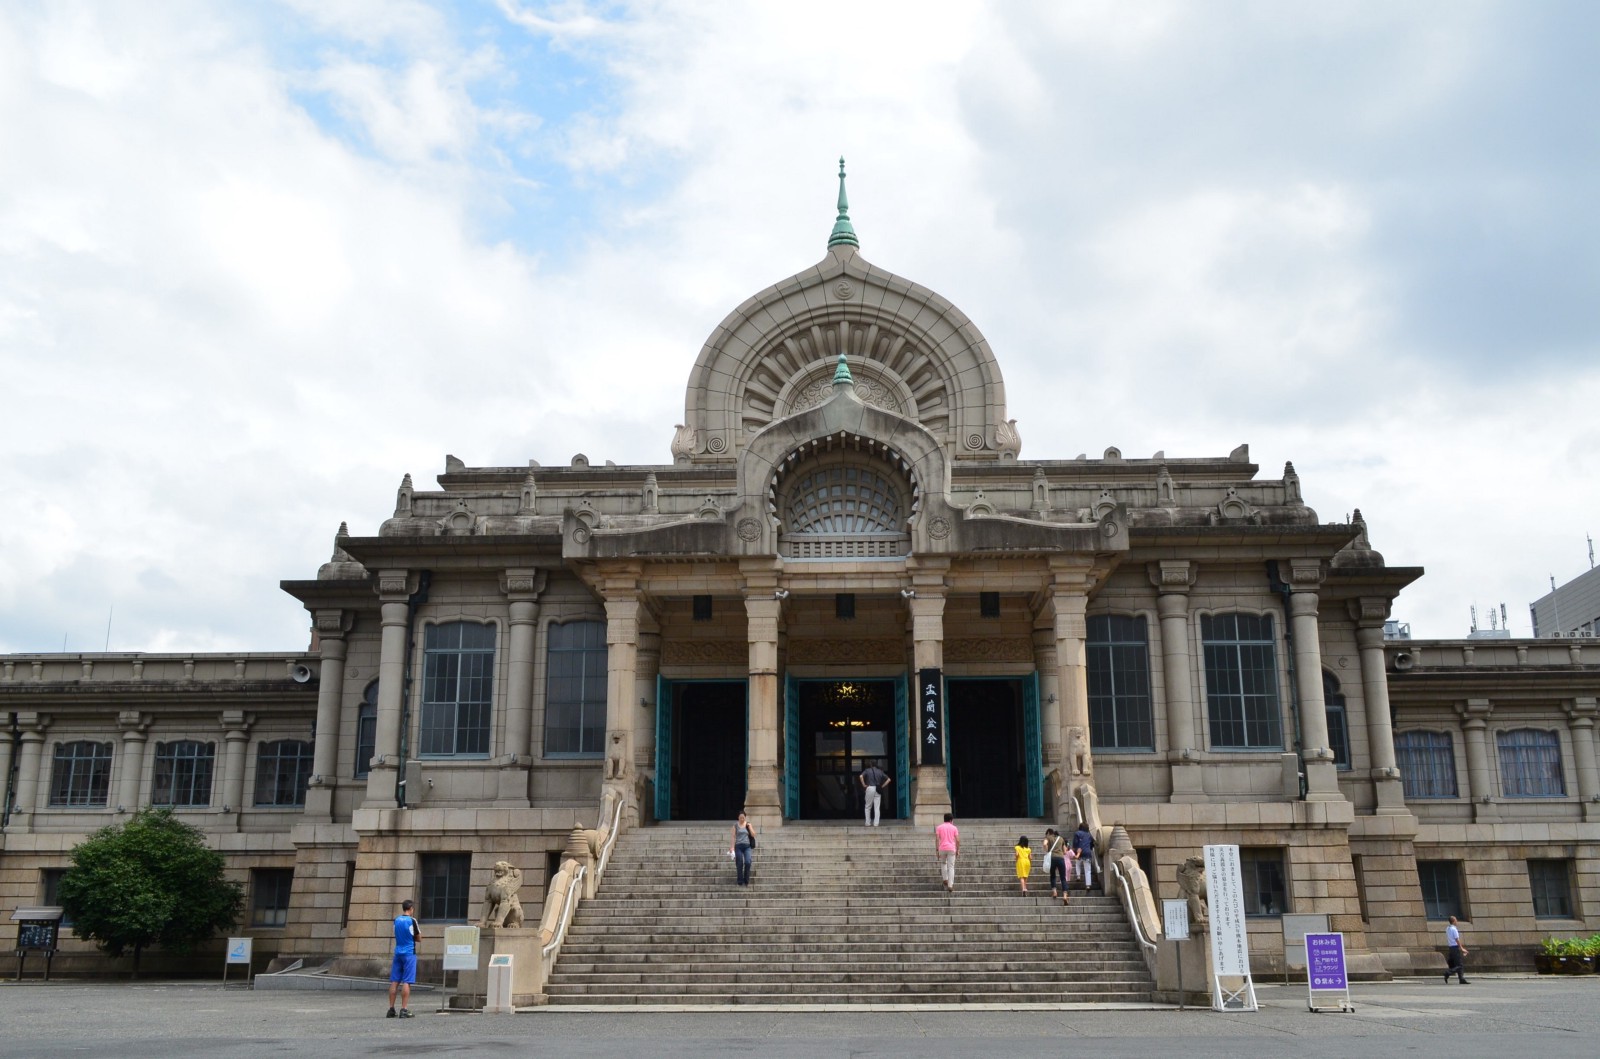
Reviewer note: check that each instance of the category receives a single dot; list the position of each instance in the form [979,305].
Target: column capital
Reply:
[236,724]
[523,585]
[1582,710]
[1306,575]
[1474,713]
[394,586]
[133,724]
[332,624]
[1368,612]
[33,726]
[1172,576]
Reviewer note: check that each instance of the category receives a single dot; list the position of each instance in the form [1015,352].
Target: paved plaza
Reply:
[1493,1017]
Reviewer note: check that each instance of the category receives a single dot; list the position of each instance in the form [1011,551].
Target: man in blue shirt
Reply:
[403,971]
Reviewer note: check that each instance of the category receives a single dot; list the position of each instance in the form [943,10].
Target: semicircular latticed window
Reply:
[844,508]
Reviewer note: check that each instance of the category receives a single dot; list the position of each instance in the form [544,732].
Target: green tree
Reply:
[150,881]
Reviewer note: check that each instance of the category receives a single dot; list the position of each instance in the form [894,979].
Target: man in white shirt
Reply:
[1453,965]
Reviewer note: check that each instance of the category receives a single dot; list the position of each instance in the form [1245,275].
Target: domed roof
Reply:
[910,351]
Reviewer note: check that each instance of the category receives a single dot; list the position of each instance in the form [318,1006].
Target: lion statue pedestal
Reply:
[524,947]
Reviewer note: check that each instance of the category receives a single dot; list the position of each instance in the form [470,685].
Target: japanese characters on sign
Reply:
[1325,961]
[1230,952]
[930,715]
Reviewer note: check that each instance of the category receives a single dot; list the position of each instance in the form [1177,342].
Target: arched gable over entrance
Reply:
[911,352]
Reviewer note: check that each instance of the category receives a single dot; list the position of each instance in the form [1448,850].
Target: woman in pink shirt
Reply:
[947,845]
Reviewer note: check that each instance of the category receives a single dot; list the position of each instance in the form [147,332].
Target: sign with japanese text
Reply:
[1230,951]
[1175,919]
[461,948]
[1325,961]
[930,715]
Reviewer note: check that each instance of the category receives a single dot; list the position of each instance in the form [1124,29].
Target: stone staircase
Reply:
[839,915]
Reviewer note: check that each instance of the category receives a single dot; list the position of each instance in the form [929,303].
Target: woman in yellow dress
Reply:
[1024,861]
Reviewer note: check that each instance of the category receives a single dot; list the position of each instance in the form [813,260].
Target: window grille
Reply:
[283,771]
[1118,671]
[443,893]
[182,774]
[1241,681]
[457,689]
[575,697]
[1551,882]
[269,896]
[1441,889]
[1530,764]
[80,774]
[1427,762]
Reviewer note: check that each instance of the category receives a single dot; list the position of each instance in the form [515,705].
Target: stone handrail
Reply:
[588,854]
[1119,864]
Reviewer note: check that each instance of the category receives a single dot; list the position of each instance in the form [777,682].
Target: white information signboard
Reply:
[1230,947]
[1175,919]
[461,948]
[237,952]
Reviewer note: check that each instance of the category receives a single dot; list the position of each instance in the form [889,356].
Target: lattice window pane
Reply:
[1530,764]
[1241,681]
[1427,763]
[1118,671]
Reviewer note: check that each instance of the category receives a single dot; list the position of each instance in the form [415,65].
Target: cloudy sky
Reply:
[257,261]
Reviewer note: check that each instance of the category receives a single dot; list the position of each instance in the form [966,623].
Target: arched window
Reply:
[1530,764]
[851,502]
[575,692]
[1338,723]
[457,689]
[1427,762]
[1119,683]
[1241,681]
[183,771]
[80,774]
[367,730]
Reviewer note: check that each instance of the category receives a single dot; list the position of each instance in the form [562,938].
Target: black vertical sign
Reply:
[930,715]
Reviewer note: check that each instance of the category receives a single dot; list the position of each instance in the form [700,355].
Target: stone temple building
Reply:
[847,561]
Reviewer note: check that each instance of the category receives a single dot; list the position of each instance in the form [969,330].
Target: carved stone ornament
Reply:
[704,653]
[749,530]
[989,649]
[330,622]
[870,390]
[683,443]
[580,534]
[938,527]
[843,290]
[501,906]
[846,652]
[1192,887]
[717,444]
[392,584]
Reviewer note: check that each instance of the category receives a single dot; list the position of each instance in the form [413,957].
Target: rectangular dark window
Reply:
[269,896]
[1551,881]
[50,891]
[1120,715]
[366,731]
[1338,724]
[283,771]
[80,774]
[844,605]
[1530,764]
[443,893]
[1241,666]
[1427,762]
[702,608]
[1266,892]
[575,690]
[182,774]
[988,604]
[457,689]
[349,891]
[1441,889]
[1361,885]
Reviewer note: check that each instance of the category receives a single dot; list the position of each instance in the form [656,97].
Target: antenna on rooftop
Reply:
[1474,609]
[1505,622]
[1590,539]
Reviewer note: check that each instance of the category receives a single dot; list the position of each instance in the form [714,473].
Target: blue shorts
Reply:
[404,968]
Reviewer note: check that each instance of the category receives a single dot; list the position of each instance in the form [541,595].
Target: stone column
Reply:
[1322,777]
[644,741]
[1480,779]
[1067,598]
[331,627]
[235,737]
[1369,613]
[33,727]
[394,589]
[1049,670]
[1172,579]
[621,589]
[763,610]
[7,748]
[522,588]
[135,727]
[1581,713]
[930,793]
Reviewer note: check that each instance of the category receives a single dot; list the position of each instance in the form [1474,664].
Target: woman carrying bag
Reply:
[1055,853]
[744,841]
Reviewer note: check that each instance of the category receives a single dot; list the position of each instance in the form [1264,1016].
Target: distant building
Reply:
[1570,610]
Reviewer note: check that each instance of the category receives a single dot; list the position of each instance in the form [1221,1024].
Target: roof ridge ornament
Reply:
[843,234]
[841,373]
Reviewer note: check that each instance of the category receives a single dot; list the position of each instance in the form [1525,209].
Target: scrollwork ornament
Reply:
[749,530]
[938,527]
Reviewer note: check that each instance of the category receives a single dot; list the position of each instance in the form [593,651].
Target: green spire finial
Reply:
[843,234]
[841,374]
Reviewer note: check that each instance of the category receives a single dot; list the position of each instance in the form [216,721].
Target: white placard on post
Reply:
[239,950]
[1230,947]
[1175,919]
[461,948]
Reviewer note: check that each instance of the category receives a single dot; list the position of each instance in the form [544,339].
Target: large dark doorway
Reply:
[985,732]
[845,726]
[709,743]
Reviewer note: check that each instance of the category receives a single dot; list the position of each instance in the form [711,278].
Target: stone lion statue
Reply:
[1192,885]
[501,908]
